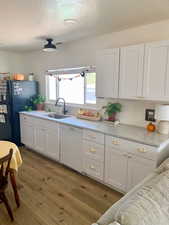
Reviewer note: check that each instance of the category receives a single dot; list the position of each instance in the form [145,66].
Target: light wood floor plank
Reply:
[52,194]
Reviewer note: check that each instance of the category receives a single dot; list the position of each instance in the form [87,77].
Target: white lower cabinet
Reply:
[124,171]
[93,168]
[116,162]
[138,169]
[71,147]
[40,139]
[127,162]
[93,154]
[40,135]
[52,143]
[116,169]
[27,131]
[28,135]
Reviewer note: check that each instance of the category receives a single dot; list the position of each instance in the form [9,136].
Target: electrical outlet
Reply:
[150,115]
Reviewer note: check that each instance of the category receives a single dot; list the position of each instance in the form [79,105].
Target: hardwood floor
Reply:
[51,194]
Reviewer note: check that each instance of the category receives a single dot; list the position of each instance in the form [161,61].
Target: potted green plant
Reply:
[39,101]
[28,108]
[111,109]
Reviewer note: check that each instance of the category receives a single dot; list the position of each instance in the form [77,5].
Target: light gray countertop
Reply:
[129,132]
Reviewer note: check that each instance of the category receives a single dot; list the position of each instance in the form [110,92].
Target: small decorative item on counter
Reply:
[151,127]
[111,109]
[31,77]
[162,116]
[39,101]
[18,76]
[28,108]
[89,114]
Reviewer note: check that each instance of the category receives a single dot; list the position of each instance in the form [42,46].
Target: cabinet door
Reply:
[116,169]
[71,147]
[131,72]
[107,72]
[138,169]
[40,139]
[27,131]
[22,129]
[28,135]
[156,76]
[52,143]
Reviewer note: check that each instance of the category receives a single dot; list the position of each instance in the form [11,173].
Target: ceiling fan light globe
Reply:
[49,49]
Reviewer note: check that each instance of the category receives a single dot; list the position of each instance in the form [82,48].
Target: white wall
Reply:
[11,62]
[83,52]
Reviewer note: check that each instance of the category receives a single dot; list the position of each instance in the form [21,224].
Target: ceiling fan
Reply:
[49,46]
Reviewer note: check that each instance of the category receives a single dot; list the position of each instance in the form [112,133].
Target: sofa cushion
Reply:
[150,206]
[163,167]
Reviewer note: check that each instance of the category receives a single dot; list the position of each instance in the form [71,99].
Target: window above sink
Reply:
[73,87]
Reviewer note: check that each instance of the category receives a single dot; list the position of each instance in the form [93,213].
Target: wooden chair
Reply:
[4,172]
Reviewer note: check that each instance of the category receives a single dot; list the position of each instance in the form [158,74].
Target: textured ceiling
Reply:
[24,24]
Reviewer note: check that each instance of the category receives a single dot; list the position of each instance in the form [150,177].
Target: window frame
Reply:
[91,105]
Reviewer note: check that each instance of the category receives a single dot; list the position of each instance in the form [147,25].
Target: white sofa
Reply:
[146,186]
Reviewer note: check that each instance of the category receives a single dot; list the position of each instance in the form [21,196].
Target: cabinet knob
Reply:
[92,150]
[92,167]
[115,143]
[142,150]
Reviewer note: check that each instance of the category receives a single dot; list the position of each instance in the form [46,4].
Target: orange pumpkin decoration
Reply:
[151,127]
[18,76]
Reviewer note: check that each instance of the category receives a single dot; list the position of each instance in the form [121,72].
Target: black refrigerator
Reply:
[14,96]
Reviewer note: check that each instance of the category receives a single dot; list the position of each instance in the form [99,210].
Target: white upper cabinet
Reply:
[107,70]
[143,73]
[156,75]
[131,72]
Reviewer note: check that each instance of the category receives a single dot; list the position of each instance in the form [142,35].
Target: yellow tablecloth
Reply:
[16,160]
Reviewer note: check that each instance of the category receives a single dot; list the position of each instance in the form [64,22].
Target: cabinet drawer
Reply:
[93,150]
[134,148]
[51,125]
[93,168]
[93,136]
[145,151]
[27,119]
[41,122]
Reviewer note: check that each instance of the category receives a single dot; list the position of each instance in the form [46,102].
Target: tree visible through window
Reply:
[73,88]
[90,90]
